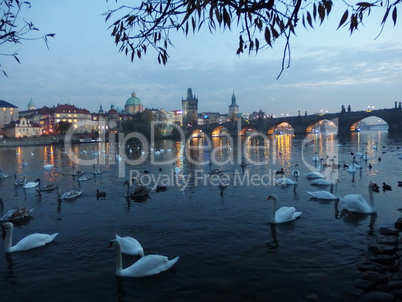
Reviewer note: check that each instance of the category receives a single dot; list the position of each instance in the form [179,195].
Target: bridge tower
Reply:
[190,110]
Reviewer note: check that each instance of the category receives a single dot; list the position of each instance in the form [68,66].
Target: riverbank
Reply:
[31,141]
[381,280]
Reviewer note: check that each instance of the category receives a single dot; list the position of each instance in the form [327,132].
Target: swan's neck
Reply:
[9,239]
[119,264]
[371,197]
[273,211]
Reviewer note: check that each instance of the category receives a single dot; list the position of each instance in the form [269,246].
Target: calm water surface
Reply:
[228,250]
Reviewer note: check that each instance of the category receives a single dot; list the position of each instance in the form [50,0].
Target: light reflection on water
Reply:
[228,249]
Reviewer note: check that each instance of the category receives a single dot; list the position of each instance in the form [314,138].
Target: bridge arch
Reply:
[197,133]
[350,122]
[356,127]
[247,129]
[282,127]
[218,131]
[321,126]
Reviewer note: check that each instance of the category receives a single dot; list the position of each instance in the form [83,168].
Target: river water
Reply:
[228,250]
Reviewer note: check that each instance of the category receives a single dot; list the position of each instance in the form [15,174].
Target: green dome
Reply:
[133,100]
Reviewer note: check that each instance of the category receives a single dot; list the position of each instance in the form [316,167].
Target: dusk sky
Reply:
[83,67]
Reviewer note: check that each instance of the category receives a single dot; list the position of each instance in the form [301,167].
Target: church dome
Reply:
[133,100]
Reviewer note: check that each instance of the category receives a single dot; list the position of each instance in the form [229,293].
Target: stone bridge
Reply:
[303,124]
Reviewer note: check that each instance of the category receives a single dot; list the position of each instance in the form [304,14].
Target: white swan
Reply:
[70,194]
[130,246]
[284,181]
[296,172]
[314,175]
[145,266]
[27,243]
[324,195]
[320,182]
[283,214]
[48,166]
[357,204]
[31,184]
[83,178]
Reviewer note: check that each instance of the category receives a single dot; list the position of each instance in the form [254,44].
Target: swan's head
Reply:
[114,242]
[272,197]
[7,226]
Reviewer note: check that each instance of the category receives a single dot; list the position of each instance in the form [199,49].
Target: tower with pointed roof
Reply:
[190,109]
[31,105]
[233,108]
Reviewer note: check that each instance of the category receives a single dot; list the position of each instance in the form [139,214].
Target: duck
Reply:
[386,187]
[375,187]
[100,194]
[280,172]
[357,204]
[146,266]
[70,194]
[283,214]
[130,246]
[48,166]
[31,184]
[29,242]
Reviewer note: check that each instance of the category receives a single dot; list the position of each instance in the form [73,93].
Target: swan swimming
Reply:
[284,181]
[320,182]
[130,246]
[314,175]
[70,194]
[27,243]
[17,213]
[145,266]
[283,214]
[31,184]
[323,195]
[357,204]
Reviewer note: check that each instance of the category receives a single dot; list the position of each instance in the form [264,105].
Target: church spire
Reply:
[234,99]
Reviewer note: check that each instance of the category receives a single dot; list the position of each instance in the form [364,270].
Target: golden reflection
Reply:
[195,149]
[284,150]
[18,152]
[51,175]
[222,149]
